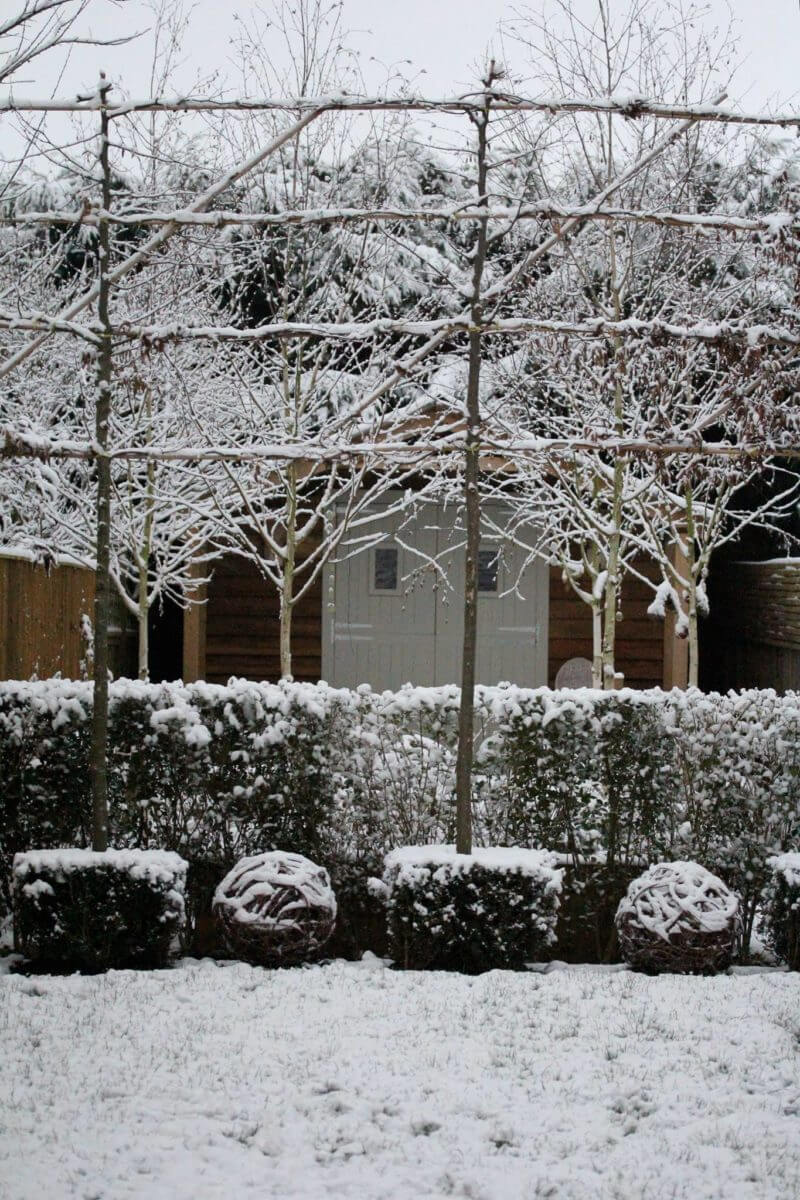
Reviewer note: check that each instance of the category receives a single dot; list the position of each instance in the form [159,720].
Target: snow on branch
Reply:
[540,211]
[16,443]
[630,107]
[721,333]
[40,322]
[163,234]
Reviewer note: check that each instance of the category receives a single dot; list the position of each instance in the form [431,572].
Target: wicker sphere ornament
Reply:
[276,909]
[679,917]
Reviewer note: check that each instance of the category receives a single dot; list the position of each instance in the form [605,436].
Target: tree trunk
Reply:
[287,590]
[612,583]
[145,551]
[98,755]
[597,611]
[143,622]
[691,592]
[597,644]
[466,716]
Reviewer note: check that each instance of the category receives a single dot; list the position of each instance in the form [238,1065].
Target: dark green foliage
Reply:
[91,912]
[590,894]
[468,916]
[361,919]
[44,788]
[610,781]
[210,772]
[782,910]
[582,773]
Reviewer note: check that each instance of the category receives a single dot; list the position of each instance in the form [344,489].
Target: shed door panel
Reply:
[380,638]
[512,621]
[416,634]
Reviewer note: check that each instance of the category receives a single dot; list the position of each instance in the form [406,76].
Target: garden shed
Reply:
[383,617]
[394,613]
[386,616]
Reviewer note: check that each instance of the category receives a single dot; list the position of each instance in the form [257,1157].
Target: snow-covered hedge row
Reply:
[493,908]
[782,908]
[630,778]
[77,909]
[210,772]
[612,781]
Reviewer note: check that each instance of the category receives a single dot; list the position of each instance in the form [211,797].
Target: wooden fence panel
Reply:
[40,618]
[640,638]
[753,638]
[242,627]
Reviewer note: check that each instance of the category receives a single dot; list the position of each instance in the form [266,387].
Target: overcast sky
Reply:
[442,38]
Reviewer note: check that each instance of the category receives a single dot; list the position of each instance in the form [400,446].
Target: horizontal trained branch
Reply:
[21,444]
[157,239]
[631,107]
[716,333]
[541,211]
[41,321]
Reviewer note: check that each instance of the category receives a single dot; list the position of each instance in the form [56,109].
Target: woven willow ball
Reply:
[678,917]
[276,909]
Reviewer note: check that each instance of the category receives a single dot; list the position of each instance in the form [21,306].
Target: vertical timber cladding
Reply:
[640,638]
[752,637]
[242,633]
[40,618]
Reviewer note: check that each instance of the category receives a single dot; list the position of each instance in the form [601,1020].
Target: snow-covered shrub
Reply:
[395,758]
[679,917]
[276,909]
[612,781]
[591,775]
[782,908]
[577,771]
[395,753]
[220,772]
[738,761]
[45,799]
[494,908]
[85,910]
[210,772]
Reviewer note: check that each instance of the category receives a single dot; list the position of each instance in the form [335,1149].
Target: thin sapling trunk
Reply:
[98,756]
[466,718]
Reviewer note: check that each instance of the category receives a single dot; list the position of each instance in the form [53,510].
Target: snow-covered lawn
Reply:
[351,1080]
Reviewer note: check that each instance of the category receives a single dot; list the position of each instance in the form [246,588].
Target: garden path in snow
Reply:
[354,1082]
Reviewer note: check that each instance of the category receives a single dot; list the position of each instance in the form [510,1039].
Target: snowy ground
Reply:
[355,1081]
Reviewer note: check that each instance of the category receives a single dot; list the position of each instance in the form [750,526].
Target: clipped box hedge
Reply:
[89,911]
[611,781]
[495,907]
[782,908]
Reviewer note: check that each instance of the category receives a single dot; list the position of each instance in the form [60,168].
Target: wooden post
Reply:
[676,650]
[194,635]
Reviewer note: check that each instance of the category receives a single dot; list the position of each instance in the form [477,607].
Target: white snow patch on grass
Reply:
[355,1082]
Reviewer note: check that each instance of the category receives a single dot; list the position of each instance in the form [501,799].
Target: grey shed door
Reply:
[394,620]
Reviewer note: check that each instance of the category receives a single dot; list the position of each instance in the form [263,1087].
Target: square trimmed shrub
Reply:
[782,908]
[590,896]
[494,908]
[90,911]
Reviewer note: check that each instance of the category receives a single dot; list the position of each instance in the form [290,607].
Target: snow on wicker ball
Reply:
[678,917]
[276,909]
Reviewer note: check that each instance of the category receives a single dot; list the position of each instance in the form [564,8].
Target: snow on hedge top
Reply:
[787,865]
[407,861]
[158,866]
[679,897]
